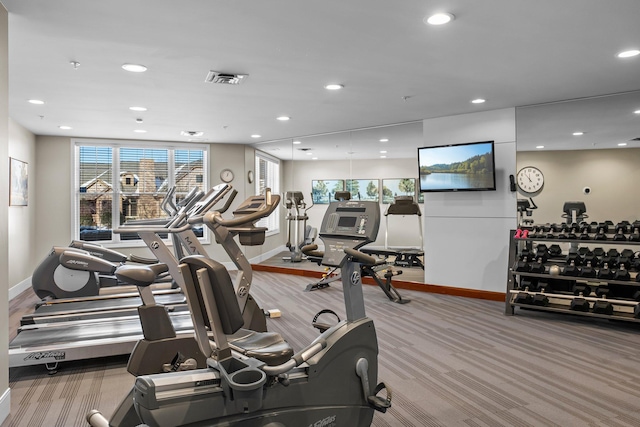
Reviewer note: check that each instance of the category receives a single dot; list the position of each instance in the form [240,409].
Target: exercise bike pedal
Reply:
[321,326]
[379,403]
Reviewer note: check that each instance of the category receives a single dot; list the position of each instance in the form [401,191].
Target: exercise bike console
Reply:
[347,224]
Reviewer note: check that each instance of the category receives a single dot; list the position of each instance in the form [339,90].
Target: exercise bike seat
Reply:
[268,347]
[140,275]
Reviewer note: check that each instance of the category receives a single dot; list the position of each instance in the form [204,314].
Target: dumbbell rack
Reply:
[623,309]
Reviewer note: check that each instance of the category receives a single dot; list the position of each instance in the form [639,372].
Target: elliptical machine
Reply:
[332,381]
[296,219]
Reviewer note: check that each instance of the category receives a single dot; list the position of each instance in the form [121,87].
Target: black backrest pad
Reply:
[223,291]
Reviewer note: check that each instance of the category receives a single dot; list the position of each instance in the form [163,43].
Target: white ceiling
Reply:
[395,69]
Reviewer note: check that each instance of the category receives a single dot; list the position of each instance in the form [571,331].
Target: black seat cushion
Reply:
[268,347]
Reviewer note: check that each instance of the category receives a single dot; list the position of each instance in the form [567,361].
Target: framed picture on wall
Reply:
[363,189]
[323,190]
[397,187]
[18,183]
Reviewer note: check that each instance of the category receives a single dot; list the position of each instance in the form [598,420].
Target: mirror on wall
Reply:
[585,150]
[362,161]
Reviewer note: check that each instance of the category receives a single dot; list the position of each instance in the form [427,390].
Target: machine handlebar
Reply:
[360,257]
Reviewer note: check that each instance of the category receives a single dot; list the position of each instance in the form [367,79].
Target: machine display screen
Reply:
[347,221]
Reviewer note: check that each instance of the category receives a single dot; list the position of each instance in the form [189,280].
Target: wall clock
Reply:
[530,179]
[226,175]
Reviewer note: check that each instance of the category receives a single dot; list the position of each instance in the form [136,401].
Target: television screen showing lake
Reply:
[455,181]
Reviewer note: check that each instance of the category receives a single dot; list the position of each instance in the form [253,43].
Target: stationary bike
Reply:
[331,382]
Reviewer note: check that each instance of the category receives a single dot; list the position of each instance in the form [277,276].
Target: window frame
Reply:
[274,218]
[116,145]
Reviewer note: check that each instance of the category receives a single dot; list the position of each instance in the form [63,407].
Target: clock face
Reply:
[226,175]
[530,179]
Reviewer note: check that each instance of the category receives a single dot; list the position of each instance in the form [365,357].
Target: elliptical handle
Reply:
[271,203]
[227,205]
[360,257]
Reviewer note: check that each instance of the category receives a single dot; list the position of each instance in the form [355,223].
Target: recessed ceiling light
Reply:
[297,142]
[64,127]
[622,144]
[137,109]
[140,131]
[578,133]
[384,140]
[383,157]
[333,86]
[284,118]
[539,146]
[478,101]
[134,68]
[36,101]
[309,154]
[255,135]
[314,158]
[383,152]
[628,53]
[439,18]
[637,112]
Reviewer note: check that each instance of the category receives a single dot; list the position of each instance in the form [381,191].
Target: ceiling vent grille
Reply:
[225,78]
[635,139]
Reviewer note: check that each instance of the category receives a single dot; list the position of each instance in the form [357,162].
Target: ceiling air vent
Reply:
[635,139]
[225,78]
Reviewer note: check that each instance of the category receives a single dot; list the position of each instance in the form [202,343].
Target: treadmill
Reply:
[404,257]
[50,343]
[108,305]
[117,332]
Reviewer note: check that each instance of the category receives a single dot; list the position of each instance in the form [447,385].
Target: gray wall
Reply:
[612,174]
[4,197]
[466,233]
[22,219]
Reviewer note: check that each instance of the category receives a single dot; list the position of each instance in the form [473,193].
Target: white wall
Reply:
[22,219]
[467,233]
[4,197]
[612,175]
[54,185]
[299,174]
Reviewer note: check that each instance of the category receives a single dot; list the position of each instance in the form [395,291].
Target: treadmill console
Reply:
[348,224]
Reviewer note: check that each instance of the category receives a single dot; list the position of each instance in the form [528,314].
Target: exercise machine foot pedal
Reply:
[379,403]
[320,325]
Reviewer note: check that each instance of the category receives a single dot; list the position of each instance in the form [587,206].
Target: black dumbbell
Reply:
[603,307]
[581,289]
[587,270]
[580,304]
[555,250]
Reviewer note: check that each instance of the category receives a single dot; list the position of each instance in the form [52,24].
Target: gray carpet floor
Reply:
[451,361]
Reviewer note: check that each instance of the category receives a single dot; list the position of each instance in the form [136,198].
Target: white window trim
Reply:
[265,156]
[135,144]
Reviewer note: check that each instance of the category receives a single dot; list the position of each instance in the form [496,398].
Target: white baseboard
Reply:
[273,252]
[5,405]
[19,288]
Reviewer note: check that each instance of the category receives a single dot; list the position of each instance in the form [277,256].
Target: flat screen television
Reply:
[458,167]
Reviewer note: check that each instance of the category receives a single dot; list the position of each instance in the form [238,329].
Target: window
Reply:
[268,173]
[116,183]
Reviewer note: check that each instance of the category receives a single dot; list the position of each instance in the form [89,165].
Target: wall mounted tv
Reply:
[459,167]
